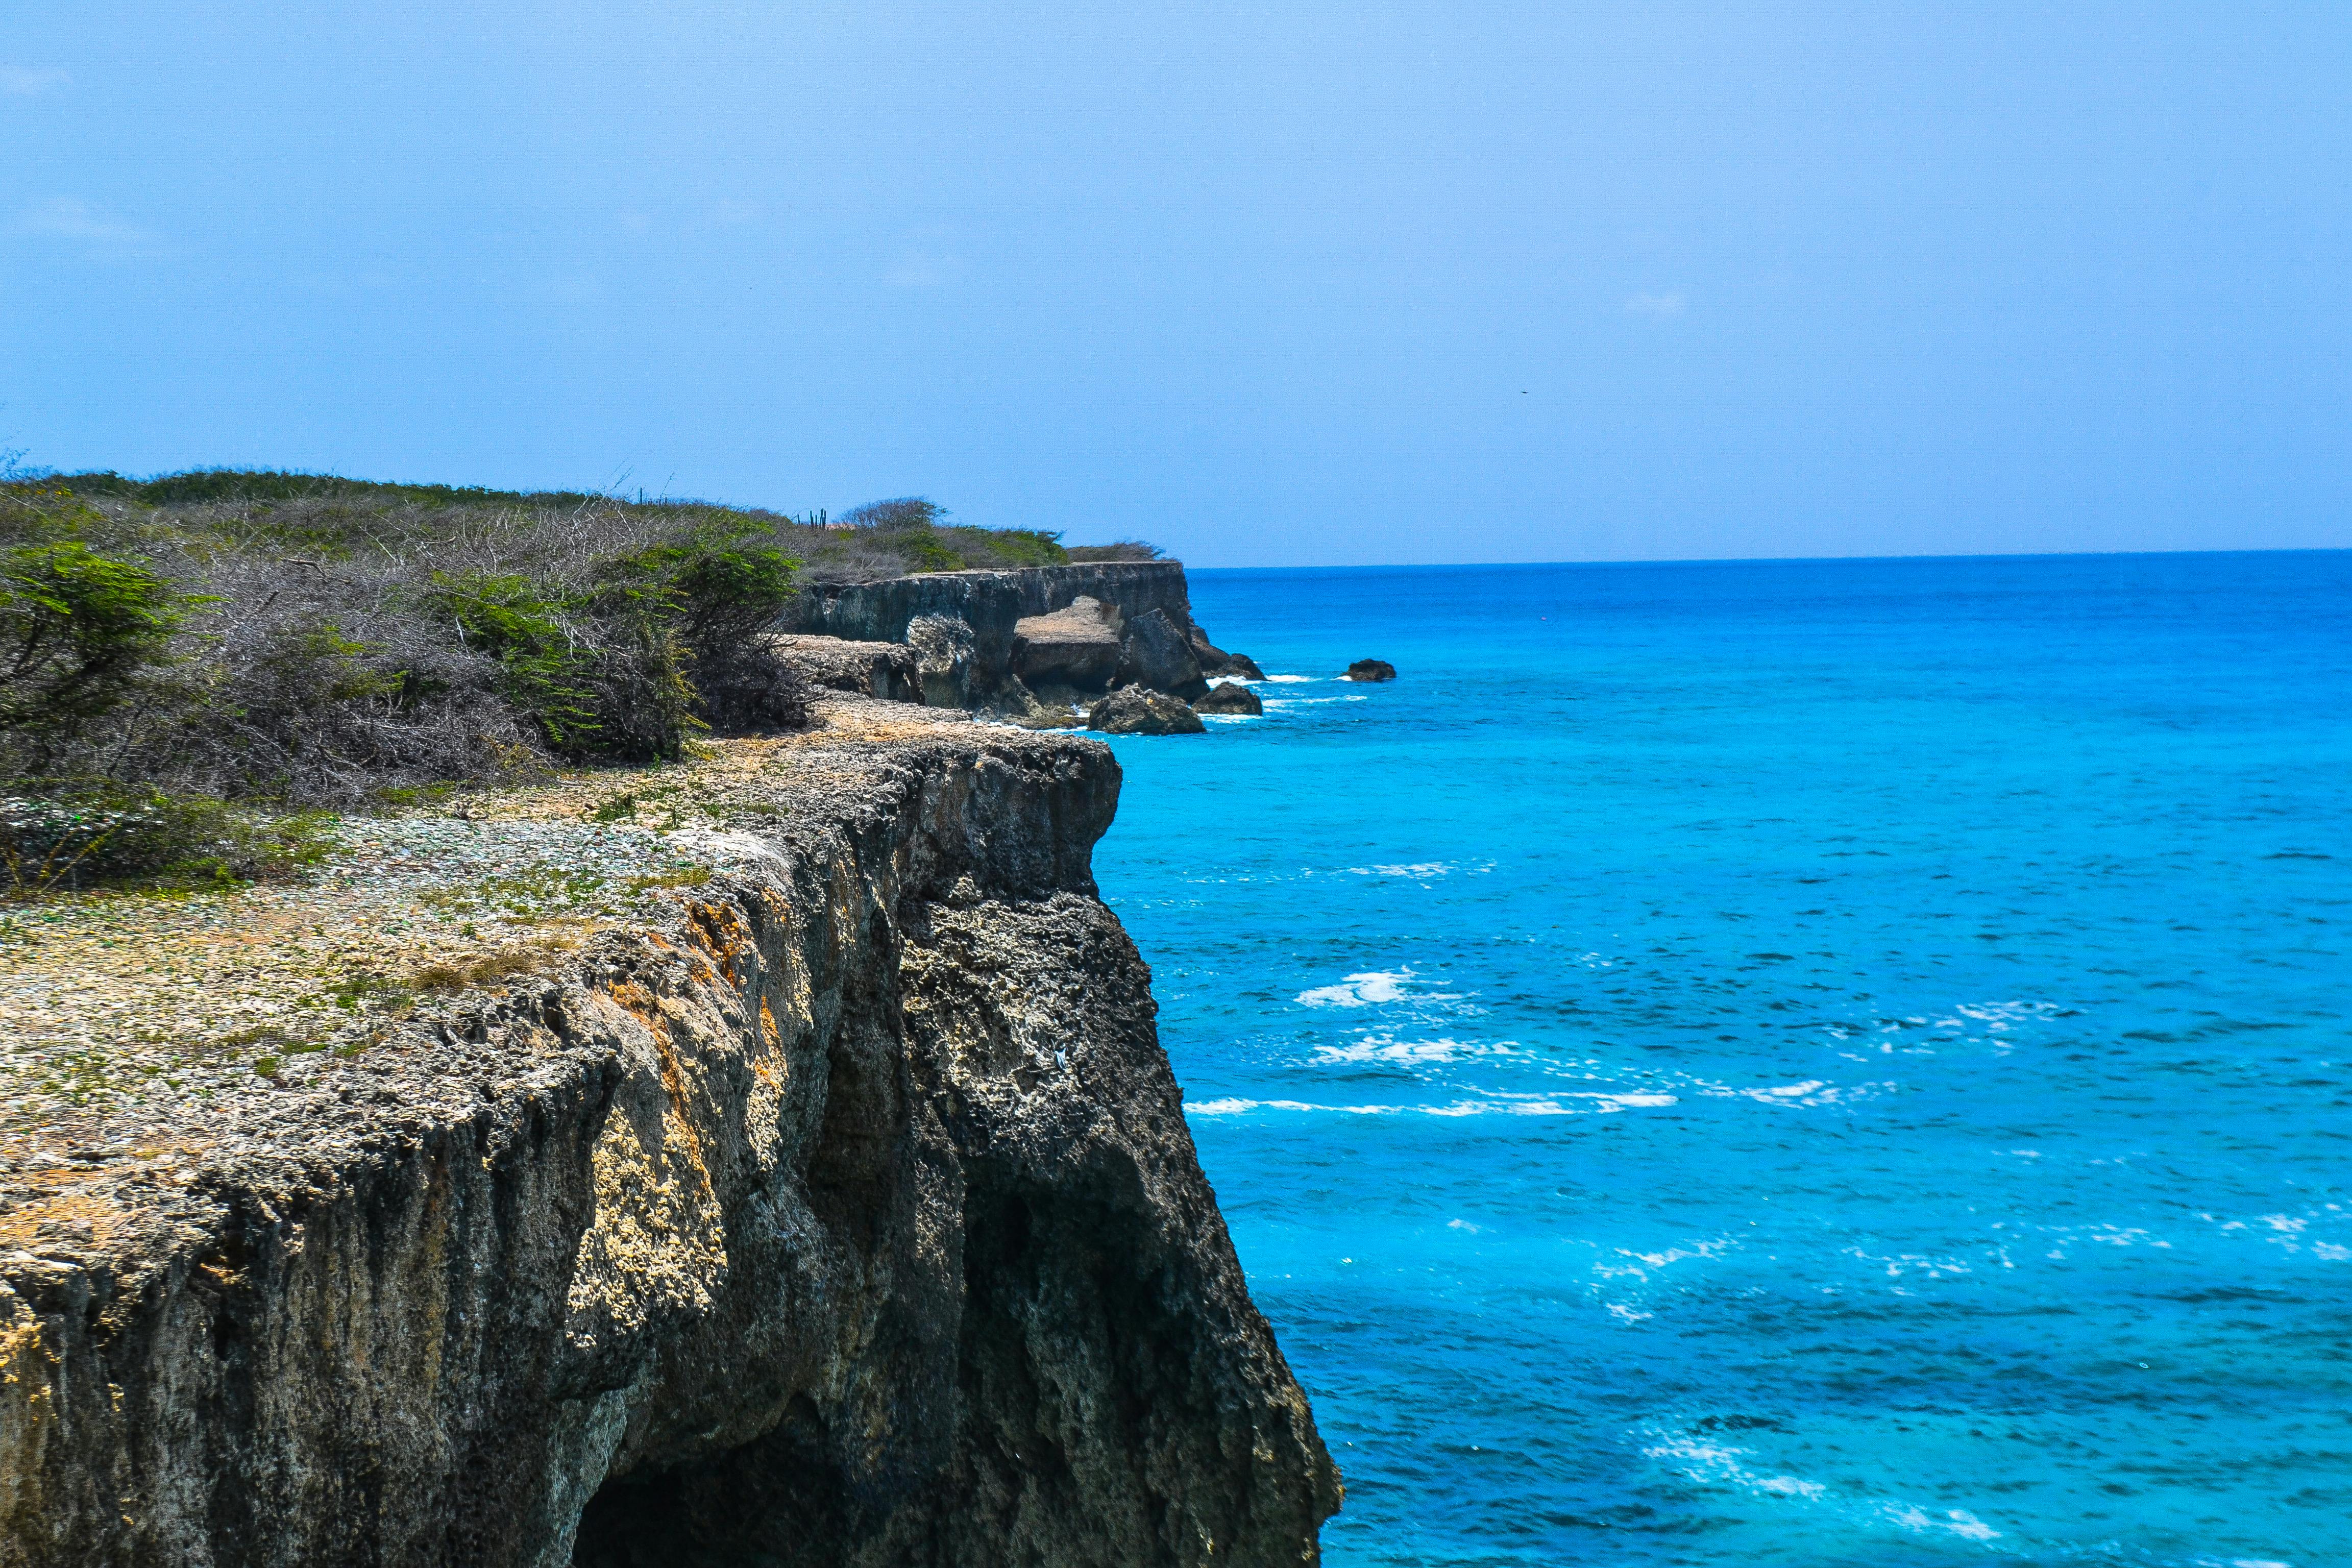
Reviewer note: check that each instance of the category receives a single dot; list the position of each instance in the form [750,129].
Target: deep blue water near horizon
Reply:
[1787,1063]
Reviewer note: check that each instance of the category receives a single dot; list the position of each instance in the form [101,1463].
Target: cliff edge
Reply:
[984,639]
[823,1199]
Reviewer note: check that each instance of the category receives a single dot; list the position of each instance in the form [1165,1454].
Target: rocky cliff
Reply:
[989,602]
[841,1211]
[967,629]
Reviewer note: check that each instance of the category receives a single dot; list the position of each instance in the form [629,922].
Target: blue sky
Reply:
[1269,283]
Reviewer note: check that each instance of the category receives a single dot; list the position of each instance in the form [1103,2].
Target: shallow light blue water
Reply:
[1808,1063]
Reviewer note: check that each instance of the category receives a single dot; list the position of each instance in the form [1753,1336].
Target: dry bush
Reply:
[333,641]
[1118,550]
[309,640]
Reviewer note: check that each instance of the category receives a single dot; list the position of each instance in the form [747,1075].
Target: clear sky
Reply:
[1275,282]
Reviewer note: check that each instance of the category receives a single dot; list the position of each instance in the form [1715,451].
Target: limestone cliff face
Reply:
[990,603]
[847,1218]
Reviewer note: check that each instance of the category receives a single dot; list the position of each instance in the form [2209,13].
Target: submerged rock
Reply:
[1133,711]
[1229,697]
[1371,669]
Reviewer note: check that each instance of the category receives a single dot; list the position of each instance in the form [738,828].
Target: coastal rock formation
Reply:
[1134,710]
[947,652]
[1371,669]
[1229,697]
[1214,660]
[1077,647]
[1156,653]
[842,1214]
[885,670]
[997,608]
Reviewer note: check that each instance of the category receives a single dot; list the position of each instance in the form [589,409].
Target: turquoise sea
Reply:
[1784,1063]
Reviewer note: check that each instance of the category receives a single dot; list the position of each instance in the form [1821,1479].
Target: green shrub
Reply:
[1121,550]
[914,533]
[930,555]
[77,627]
[707,598]
[662,642]
[549,676]
[57,834]
[1029,547]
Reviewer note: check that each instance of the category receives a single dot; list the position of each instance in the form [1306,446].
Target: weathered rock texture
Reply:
[1077,647]
[990,603]
[1229,697]
[1134,710]
[1030,627]
[947,654]
[884,670]
[1157,654]
[848,1217]
[1214,660]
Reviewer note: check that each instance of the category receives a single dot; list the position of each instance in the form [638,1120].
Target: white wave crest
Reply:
[1363,989]
[1382,1049]
[1712,1464]
[1419,871]
[1515,1105]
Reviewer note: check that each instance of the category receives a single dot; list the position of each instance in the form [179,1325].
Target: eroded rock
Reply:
[1229,697]
[1214,660]
[841,1213]
[1136,710]
[885,670]
[998,607]
[1076,646]
[946,653]
[1371,669]
[1157,653]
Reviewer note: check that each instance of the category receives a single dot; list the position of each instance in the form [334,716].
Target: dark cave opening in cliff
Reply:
[771,1503]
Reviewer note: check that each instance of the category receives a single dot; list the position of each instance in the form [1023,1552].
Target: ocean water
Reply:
[1806,1063]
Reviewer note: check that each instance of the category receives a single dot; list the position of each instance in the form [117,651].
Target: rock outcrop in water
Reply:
[1133,711]
[1229,697]
[1371,669]
[1158,655]
[1214,660]
[844,1216]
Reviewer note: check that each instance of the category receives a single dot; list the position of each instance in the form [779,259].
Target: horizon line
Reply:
[1768,560]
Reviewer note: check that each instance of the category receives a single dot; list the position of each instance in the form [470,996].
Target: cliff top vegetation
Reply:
[188,663]
[899,537]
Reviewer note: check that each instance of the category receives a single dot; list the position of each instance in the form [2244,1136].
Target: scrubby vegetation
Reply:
[911,534]
[184,660]
[1118,550]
